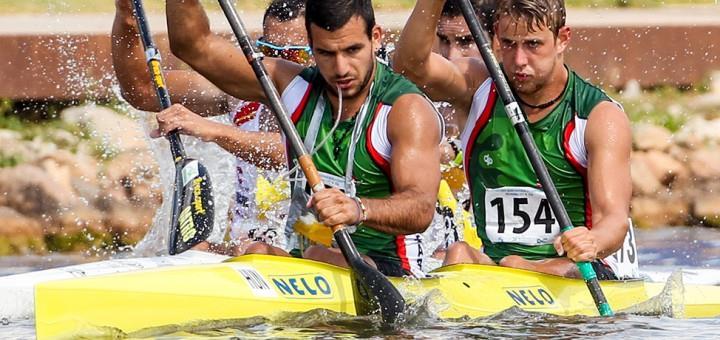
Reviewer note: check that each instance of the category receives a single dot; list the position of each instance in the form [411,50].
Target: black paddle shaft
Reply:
[518,120]
[152,55]
[192,207]
[371,288]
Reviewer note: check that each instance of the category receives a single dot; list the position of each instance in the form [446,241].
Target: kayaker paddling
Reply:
[581,133]
[283,36]
[384,124]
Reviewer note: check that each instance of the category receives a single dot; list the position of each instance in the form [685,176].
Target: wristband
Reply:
[361,209]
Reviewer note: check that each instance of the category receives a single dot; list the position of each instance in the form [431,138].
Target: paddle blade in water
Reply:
[193,212]
[372,290]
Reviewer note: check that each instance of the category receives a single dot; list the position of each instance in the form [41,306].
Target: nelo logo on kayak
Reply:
[307,286]
[531,297]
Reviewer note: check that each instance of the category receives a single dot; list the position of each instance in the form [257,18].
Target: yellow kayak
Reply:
[261,285]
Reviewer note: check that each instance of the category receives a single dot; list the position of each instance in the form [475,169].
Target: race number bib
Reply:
[519,215]
[624,262]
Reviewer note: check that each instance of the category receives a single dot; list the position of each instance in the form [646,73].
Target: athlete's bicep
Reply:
[608,140]
[414,131]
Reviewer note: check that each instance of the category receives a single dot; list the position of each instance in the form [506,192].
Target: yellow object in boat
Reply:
[313,230]
[455,178]
[268,194]
[446,199]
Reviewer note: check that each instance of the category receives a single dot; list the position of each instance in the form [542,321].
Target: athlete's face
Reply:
[346,56]
[454,39]
[529,55]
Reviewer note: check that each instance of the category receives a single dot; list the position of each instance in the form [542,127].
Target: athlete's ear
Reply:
[563,39]
[376,35]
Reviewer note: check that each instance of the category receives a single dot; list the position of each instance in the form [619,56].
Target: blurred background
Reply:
[79,175]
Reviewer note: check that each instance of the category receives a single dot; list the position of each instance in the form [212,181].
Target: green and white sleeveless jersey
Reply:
[512,213]
[305,98]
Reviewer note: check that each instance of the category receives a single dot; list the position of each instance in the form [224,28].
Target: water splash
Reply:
[221,167]
[670,302]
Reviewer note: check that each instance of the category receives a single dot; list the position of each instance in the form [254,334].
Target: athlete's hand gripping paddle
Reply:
[521,127]
[192,204]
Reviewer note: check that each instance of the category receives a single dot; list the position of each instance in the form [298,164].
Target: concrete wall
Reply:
[78,66]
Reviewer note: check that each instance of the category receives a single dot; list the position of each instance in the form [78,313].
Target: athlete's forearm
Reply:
[609,233]
[262,149]
[188,28]
[413,50]
[402,213]
[129,61]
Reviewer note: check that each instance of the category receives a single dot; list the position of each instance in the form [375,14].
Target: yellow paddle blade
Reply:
[313,230]
[446,199]
[470,232]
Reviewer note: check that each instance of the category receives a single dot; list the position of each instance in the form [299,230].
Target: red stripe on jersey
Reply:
[381,162]
[301,107]
[566,146]
[479,125]
[569,129]
[402,252]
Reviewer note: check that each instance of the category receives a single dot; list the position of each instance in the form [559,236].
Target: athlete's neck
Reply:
[351,105]
[539,104]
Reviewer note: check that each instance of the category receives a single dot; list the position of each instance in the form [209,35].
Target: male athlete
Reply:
[373,157]
[582,135]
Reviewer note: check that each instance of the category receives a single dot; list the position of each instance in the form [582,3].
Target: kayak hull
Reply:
[260,285]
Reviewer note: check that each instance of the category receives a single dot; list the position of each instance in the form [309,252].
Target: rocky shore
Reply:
[92,183]
[92,188]
[676,177]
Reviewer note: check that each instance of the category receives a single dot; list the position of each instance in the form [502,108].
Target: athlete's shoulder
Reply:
[309,74]
[587,96]
[393,85]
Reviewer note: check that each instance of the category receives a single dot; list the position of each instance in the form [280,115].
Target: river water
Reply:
[661,251]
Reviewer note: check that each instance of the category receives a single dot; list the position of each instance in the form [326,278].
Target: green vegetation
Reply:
[35,120]
[41,121]
[83,240]
[84,6]
[9,161]
[20,244]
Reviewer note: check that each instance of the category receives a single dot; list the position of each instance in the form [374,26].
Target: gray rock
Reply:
[115,132]
[651,137]
[707,210]
[705,163]
[32,192]
[699,132]
[665,168]
[643,178]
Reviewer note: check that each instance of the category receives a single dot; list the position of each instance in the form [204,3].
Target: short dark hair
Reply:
[284,10]
[537,13]
[333,14]
[484,9]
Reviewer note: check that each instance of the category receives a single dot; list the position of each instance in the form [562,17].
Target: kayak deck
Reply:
[261,285]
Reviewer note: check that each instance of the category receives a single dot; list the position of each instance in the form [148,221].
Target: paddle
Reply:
[192,205]
[516,116]
[371,288]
